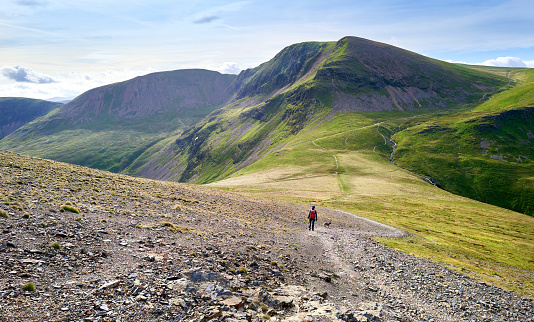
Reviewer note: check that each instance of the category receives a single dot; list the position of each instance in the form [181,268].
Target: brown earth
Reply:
[144,250]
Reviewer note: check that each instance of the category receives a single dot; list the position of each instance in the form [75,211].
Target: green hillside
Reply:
[485,153]
[18,111]
[109,127]
[365,81]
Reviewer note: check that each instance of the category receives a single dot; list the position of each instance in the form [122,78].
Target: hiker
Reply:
[312,216]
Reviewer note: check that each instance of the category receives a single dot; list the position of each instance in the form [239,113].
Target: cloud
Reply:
[229,68]
[26,75]
[506,62]
[101,57]
[67,84]
[207,19]
[457,62]
[30,3]
[500,62]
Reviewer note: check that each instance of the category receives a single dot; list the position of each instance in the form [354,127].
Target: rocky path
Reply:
[393,286]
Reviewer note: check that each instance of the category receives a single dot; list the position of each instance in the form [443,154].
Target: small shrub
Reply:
[26,216]
[30,287]
[69,208]
[273,263]
[56,245]
[242,270]
[3,213]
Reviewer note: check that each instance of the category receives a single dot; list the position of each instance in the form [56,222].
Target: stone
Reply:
[282,302]
[141,298]
[214,313]
[234,301]
[197,275]
[111,284]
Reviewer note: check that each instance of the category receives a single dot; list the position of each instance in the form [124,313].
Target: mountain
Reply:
[464,128]
[109,127]
[17,111]
[305,86]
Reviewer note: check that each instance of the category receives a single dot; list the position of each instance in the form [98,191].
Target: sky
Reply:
[55,49]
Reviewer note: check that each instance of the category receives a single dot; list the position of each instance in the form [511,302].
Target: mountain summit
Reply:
[307,84]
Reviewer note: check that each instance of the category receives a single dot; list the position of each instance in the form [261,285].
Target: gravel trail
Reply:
[405,287]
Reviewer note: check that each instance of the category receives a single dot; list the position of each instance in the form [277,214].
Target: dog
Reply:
[327,224]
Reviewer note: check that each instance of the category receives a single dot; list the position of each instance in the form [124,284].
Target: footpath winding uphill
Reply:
[78,244]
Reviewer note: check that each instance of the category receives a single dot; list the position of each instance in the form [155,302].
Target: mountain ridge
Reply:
[18,111]
[110,126]
[321,95]
[307,91]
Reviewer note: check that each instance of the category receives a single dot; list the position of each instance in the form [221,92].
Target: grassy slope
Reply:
[17,111]
[486,153]
[237,136]
[493,244]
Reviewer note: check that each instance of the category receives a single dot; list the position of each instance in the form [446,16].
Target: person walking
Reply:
[312,216]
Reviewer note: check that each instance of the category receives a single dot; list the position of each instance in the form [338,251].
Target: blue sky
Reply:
[61,48]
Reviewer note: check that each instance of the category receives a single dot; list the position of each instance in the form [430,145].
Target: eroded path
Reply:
[396,286]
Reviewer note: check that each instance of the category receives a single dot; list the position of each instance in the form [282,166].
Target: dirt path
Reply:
[357,271]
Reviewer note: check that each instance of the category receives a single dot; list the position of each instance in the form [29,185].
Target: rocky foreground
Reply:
[82,245]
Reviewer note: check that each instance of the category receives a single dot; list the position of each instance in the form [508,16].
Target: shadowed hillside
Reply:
[17,111]
[111,126]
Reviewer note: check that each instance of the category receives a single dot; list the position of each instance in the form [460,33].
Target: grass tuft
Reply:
[29,287]
[67,207]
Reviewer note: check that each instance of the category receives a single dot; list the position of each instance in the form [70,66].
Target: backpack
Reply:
[313,214]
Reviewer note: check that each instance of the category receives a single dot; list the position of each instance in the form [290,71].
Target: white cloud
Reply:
[67,85]
[456,62]
[25,75]
[229,68]
[500,62]
[506,62]
[207,19]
